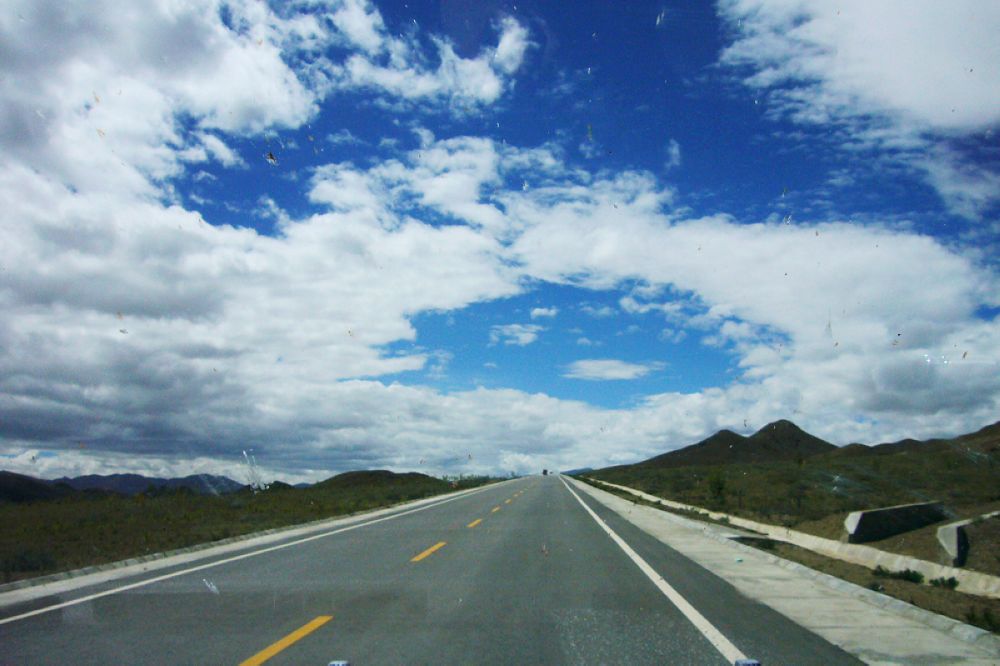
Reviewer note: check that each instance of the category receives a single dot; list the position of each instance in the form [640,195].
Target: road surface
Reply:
[517,573]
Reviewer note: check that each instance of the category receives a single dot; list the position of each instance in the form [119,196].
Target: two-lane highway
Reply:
[519,572]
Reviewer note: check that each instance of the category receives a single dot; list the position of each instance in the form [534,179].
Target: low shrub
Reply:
[951,583]
[908,575]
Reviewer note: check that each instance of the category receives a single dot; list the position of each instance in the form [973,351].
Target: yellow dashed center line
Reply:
[506,501]
[475,522]
[494,509]
[429,551]
[296,635]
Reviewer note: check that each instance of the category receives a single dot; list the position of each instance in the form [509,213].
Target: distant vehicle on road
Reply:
[545,472]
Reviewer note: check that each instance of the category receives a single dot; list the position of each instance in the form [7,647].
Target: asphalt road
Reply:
[517,573]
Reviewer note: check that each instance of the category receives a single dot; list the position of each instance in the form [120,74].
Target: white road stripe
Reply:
[714,636]
[236,558]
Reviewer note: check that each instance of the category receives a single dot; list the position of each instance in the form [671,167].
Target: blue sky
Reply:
[493,236]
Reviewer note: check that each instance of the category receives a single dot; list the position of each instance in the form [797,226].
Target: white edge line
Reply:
[714,636]
[235,558]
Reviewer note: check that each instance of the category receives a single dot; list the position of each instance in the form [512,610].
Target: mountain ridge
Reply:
[779,440]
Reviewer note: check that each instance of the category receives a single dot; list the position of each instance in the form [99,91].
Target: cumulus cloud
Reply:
[544,312]
[515,334]
[361,25]
[605,369]
[903,78]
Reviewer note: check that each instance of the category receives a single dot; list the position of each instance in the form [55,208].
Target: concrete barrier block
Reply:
[954,539]
[955,542]
[884,522]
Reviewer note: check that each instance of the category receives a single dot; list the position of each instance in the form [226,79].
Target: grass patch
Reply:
[39,538]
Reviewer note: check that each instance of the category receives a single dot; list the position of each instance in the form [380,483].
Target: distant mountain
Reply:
[781,440]
[133,484]
[21,488]
[579,470]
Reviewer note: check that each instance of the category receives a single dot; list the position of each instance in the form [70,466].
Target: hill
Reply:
[781,440]
[133,484]
[985,441]
[375,477]
[783,475]
[20,488]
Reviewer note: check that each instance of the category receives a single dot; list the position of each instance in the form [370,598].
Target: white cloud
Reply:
[968,188]
[515,334]
[343,137]
[439,361]
[276,342]
[932,64]
[673,154]
[598,311]
[900,76]
[361,24]
[514,42]
[608,369]
[235,339]
[767,293]
[544,312]
[220,151]
[397,66]
[673,336]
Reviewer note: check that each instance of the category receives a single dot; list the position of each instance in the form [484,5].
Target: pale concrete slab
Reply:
[875,628]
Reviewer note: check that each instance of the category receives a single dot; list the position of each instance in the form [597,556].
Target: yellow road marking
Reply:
[475,522]
[296,635]
[494,509]
[429,551]
[506,501]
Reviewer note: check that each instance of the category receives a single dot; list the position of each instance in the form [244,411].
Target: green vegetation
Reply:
[83,529]
[908,575]
[950,583]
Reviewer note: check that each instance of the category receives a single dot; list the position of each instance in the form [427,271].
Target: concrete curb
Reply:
[220,545]
[958,630]
[970,582]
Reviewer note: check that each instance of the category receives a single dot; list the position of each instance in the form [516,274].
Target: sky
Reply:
[466,237]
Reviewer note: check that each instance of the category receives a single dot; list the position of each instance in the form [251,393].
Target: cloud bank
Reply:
[138,336]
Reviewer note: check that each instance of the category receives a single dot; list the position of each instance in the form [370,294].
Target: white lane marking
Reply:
[714,636]
[201,567]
